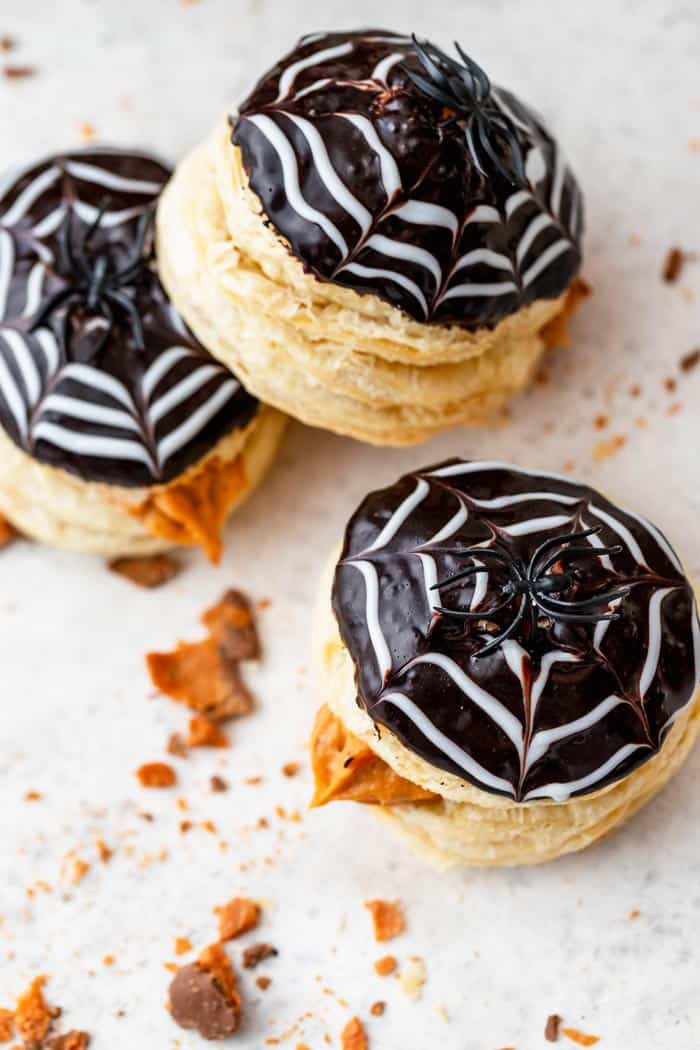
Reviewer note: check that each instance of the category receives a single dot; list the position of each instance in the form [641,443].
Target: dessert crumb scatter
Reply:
[551,1028]
[182,946]
[385,966]
[237,917]
[387,917]
[673,265]
[33,796]
[603,450]
[204,995]
[263,983]
[690,360]
[205,733]
[256,953]
[217,784]
[580,1038]
[7,43]
[150,571]
[413,977]
[634,914]
[177,745]
[378,1008]
[18,72]
[290,769]
[156,775]
[353,1036]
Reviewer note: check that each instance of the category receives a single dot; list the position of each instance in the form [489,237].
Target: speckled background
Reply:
[502,950]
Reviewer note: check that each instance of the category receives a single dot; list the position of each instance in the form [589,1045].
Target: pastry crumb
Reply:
[263,983]
[204,995]
[156,775]
[182,945]
[237,917]
[149,571]
[205,733]
[551,1028]
[581,1038]
[256,954]
[603,450]
[413,977]
[353,1036]
[177,745]
[7,533]
[290,769]
[378,1008]
[217,783]
[387,917]
[19,72]
[385,966]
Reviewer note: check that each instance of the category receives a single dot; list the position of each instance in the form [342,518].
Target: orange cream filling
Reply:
[193,510]
[556,332]
[345,767]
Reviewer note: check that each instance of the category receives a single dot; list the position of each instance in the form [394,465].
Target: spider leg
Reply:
[478,74]
[569,617]
[481,614]
[496,642]
[559,541]
[571,553]
[449,581]
[51,304]
[587,603]
[123,300]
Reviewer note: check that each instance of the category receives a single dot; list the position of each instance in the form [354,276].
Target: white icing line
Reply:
[47,341]
[50,223]
[7,262]
[542,741]
[557,181]
[489,704]
[545,260]
[89,214]
[524,528]
[534,229]
[483,213]
[91,377]
[651,662]
[407,252]
[470,766]
[91,444]
[101,177]
[405,508]
[290,175]
[390,275]
[328,175]
[487,465]
[29,195]
[524,497]
[196,421]
[484,255]
[187,386]
[381,650]
[10,391]
[560,792]
[622,531]
[288,77]
[25,362]
[456,521]
[391,178]
[464,290]
[556,656]
[535,166]
[160,367]
[516,200]
[481,583]
[35,285]
[430,579]
[89,411]
[316,86]
[421,213]
[382,69]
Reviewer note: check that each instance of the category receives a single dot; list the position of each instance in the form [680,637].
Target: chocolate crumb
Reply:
[218,783]
[290,769]
[263,983]
[551,1029]
[673,265]
[150,571]
[256,953]
[177,745]
[18,72]
[377,1009]
[690,361]
[232,627]
[7,43]
[204,995]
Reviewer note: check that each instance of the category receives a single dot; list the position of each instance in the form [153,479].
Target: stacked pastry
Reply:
[512,668]
[119,433]
[379,242]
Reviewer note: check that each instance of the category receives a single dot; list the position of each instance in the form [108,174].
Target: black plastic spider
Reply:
[535,586]
[96,281]
[466,89]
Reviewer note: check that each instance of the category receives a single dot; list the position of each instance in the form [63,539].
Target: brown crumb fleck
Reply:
[263,983]
[377,1009]
[673,264]
[254,781]
[79,870]
[670,384]
[7,43]
[386,965]
[183,945]
[204,733]
[635,390]
[33,796]
[353,1036]
[601,422]
[33,1015]
[388,919]
[690,361]
[156,775]
[603,450]
[256,954]
[177,745]
[237,917]
[634,914]
[150,571]
[290,769]
[204,995]
[551,1029]
[88,133]
[7,533]
[580,1037]
[230,623]
[18,72]
[72,1040]
[217,783]
[103,851]
[108,960]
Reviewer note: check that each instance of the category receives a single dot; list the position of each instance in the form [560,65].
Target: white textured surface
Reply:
[503,949]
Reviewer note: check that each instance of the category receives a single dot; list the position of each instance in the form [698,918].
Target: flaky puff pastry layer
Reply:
[466,825]
[60,509]
[325,354]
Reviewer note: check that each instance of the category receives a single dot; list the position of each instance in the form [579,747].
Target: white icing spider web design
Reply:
[50,399]
[533,727]
[536,224]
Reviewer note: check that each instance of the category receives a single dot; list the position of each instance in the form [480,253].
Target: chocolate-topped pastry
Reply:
[100,379]
[393,240]
[393,168]
[513,639]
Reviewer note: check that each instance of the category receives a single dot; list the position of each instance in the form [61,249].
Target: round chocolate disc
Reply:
[393,168]
[515,628]
[99,375]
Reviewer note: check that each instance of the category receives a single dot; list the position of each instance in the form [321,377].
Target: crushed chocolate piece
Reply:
[177,745]
[580,1037]
[33,1015]
[152,570]
[156,775]
[217,783]
[690,361]
[198,674]
[386,965]
[378,1008]
[72,1040]
[263,983]
[203,733]
[18,72]
[551,1029]
[204,995]
[290,769]
[230,623]
[237,917]
[256,954]
[388,919]
[673,265]
[353,1036]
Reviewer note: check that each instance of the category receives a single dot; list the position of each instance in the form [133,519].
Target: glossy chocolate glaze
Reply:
[124,402]
[606,698]
[374,185]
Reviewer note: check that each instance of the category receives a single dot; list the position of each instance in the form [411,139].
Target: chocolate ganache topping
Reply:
[98,373]
[395,169]
[515,628]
